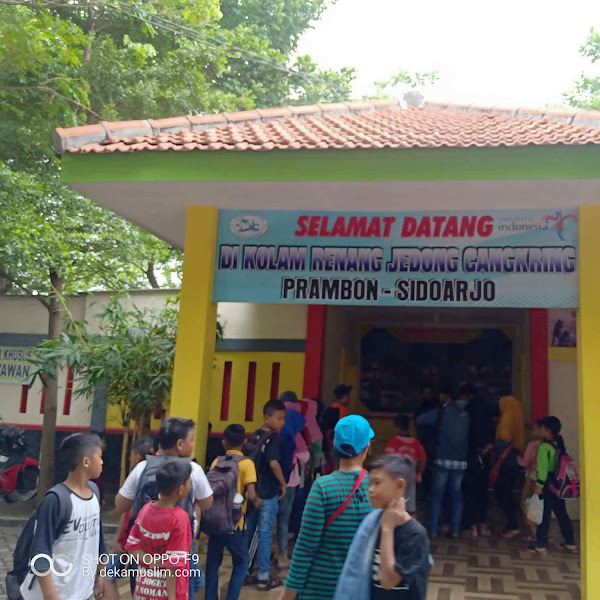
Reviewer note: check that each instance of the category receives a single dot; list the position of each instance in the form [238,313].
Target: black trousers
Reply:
[553,503]
[503,491]
[475,495]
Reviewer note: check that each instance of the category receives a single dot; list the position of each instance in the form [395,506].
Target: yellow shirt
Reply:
[247,476]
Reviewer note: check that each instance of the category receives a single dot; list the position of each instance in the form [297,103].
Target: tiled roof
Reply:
[371,125]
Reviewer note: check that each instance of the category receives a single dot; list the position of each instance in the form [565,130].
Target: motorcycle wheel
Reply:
[26,486]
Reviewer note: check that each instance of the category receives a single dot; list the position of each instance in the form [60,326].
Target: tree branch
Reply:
[151,275]
[34,4]
[50,91]
[25,289]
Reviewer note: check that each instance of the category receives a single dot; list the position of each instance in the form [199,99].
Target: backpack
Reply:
[147,490]
[565,482]
[223,516]
[24,548]
[256,445]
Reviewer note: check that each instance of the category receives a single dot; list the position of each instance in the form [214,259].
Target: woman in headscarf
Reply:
[511,427]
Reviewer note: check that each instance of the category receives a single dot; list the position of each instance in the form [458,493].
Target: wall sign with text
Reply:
[14,364]
[503,258]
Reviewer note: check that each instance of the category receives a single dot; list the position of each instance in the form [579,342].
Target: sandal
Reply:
[510,534]
[485,531]
[268,585]
[538,549]
[569,548]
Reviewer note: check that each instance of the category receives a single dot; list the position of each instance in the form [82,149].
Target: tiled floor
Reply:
[486,569]
[496,570]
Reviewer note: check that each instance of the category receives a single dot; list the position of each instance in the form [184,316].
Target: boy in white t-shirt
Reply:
[75,551]
[176,439]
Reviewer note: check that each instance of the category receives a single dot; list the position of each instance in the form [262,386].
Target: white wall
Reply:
[26,315]
[263,321]
[22,315]
[563,403]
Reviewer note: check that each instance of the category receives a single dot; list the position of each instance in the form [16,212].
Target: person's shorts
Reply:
[196,575]
[113,567]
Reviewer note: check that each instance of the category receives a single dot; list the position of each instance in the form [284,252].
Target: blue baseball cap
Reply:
[352,435]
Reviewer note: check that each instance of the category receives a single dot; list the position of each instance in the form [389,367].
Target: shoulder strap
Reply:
[263,439]
[96,490]
[232,458]
[63,493]
[505,453]
[346,503]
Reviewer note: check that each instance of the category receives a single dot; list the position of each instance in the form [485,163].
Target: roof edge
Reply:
[75,137]
[68,139]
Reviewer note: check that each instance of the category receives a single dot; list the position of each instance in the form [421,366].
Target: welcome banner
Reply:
[475,258]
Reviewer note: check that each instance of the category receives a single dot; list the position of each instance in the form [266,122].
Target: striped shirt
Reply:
[319,554]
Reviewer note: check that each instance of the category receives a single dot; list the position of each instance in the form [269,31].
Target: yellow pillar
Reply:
[195,349]
[588,359]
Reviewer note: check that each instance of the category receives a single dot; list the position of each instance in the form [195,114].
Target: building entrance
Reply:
[396,362]
[388,354]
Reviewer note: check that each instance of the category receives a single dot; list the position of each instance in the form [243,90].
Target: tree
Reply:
[73,63]
[408,79]
[54,244]
[282,22]
[586,93]
[131,352]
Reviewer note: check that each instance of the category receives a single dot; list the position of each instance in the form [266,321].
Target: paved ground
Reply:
[463,570]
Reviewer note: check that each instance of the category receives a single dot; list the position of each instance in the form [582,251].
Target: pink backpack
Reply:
[565,483]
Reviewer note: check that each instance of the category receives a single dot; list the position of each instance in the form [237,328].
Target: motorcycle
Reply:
[19,472]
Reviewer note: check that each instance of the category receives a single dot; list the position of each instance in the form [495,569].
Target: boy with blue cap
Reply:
[335,507]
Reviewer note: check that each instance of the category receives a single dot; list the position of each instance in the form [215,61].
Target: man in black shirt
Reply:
[401,561]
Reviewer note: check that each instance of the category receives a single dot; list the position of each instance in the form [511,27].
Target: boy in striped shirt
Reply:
[335,507]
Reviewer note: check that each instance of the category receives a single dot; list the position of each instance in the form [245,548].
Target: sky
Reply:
[509,53]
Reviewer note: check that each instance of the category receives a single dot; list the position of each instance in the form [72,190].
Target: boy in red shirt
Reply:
[161,537]
[406,445]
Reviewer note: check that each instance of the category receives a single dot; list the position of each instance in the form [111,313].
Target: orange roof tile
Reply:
[367,125]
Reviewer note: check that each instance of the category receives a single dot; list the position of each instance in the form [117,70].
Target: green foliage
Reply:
[73,63]
[586,93]
[282,22]
[47,228]
[406,78]
[338,89]
[133,351]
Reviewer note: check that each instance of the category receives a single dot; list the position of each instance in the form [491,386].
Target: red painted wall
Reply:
[538,358]
[315,350]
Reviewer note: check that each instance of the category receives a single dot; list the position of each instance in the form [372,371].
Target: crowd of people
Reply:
[303,470]
[472,446]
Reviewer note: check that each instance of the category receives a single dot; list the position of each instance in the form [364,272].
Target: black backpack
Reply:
[256,445]
[147,490]
[24,548]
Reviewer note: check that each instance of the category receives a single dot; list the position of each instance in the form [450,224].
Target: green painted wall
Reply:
[414,164]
